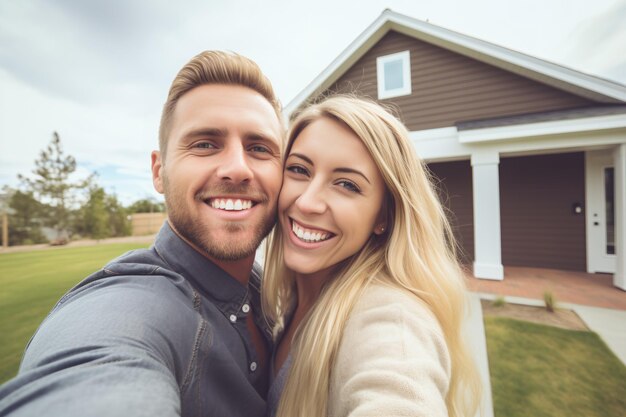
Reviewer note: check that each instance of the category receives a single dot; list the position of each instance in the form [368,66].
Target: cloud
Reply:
[98,71]
[599,42]
[82,50]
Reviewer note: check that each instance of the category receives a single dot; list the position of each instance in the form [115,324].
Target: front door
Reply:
[600,213]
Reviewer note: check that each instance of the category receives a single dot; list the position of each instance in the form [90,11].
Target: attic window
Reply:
[394,75]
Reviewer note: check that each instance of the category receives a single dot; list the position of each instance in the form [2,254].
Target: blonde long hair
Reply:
[416,254]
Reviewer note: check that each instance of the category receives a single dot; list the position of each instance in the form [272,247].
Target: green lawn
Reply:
[535,370]
[32,282]
[541,371]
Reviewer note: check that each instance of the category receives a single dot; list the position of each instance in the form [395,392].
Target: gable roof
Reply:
[563,78]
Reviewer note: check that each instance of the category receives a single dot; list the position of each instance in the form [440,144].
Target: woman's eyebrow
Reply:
[340,169]
[303,157]
[352,171]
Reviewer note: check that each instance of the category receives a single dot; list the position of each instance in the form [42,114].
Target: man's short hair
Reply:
[215,67]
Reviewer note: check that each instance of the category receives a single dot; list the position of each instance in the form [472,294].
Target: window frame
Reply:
[406,89]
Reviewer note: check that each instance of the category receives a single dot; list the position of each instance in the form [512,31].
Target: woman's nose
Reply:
[312,200]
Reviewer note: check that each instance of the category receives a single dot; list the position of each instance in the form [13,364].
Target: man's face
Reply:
[222,171]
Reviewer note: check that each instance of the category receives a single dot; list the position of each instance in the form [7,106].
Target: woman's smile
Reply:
[330,202]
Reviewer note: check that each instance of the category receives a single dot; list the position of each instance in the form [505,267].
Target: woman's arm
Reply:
[392,360]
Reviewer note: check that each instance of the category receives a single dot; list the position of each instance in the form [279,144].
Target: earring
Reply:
[380,230]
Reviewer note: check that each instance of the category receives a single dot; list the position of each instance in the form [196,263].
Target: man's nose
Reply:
[234,165]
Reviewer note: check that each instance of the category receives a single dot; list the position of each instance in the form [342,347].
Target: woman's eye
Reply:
[349,185]
[297,169]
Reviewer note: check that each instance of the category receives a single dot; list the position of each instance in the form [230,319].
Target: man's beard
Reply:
[233,249]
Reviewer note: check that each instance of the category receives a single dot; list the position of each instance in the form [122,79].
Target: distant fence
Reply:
[146,223]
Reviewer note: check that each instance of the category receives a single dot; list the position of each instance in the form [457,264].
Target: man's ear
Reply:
[157,171]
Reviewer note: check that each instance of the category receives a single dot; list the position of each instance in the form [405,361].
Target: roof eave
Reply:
[564,78]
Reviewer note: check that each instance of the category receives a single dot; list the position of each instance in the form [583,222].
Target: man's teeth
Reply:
[230,204]
[308,235]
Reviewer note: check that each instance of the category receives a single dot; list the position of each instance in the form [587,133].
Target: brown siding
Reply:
[454,183]
[449,87]
[539,228]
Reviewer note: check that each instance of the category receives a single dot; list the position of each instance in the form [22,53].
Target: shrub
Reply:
[549,300]
[499,301]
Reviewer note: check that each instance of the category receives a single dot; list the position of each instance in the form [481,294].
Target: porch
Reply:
[596,290]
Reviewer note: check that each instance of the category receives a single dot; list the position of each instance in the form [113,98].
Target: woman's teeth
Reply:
[230,204]
[308,235]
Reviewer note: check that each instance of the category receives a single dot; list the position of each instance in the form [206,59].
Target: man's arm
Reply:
[120,346]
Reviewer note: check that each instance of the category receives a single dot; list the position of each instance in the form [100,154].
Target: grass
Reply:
[535,370]
[539,370]
[32,282]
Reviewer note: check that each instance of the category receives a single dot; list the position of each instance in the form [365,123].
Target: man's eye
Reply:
[297,169]
[204,145]
[349,185]
[259,148]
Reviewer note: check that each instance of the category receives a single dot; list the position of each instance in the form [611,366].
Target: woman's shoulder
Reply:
[396,317]
[384,298]
[392,356]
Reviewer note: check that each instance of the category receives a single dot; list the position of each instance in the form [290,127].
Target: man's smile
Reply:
[230,204]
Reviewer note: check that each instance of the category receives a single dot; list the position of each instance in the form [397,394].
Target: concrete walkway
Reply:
[475,334]
[610,325]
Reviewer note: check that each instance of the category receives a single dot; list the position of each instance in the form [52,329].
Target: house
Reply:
[530,155]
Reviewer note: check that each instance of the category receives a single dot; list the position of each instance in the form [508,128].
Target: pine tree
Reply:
[51,185]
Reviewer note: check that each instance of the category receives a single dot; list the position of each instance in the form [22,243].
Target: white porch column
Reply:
[487,245]
[619,160]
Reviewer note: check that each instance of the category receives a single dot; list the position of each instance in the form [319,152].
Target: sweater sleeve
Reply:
[392,359]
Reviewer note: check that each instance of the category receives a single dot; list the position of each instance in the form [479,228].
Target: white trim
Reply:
[405,90]
[486,203]
[434,134]
[595,212]
[619,161]
[556,127]
[576,82]
[372,34]
[437,145]
[488,271]
[485,157]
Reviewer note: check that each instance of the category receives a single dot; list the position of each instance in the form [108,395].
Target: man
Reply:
[176,329]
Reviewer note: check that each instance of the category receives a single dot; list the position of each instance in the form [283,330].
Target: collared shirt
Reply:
[156,332]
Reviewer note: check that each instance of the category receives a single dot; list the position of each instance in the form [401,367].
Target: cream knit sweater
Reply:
[392,360]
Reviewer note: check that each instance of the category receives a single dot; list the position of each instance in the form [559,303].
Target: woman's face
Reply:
[331,199]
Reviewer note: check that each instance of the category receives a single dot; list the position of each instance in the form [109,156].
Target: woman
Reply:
[361,276]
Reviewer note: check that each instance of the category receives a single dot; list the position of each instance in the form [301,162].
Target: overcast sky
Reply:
[98,72]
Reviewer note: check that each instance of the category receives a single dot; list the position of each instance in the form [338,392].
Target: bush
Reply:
[549,300]
[499,301]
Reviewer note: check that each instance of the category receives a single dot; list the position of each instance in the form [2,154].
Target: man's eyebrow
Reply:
[263,138]
[340,169]
[205,131]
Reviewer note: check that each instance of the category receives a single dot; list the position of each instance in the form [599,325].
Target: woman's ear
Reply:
[381,219]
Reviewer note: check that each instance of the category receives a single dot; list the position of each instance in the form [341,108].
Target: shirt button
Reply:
[233,318]
[245,308]
[253,366]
